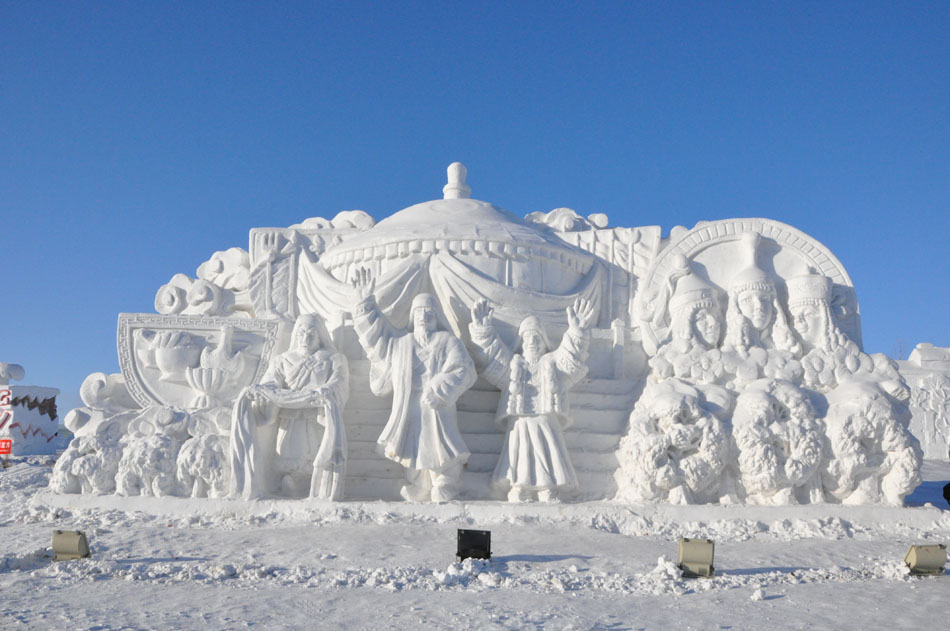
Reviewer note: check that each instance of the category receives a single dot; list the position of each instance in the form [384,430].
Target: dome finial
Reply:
[456,188]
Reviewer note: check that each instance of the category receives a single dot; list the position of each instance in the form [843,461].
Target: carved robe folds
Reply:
[417,436]
[299,391]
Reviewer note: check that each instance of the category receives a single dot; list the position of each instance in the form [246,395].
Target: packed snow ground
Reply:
[175,563]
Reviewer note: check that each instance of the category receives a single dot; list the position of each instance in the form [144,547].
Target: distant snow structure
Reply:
[720,364]
[927,372]
[28,417]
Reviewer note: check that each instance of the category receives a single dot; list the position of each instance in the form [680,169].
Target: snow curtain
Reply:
[456,284]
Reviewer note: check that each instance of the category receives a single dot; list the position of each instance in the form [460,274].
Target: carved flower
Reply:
[819,370]
[707,365]
[782,365]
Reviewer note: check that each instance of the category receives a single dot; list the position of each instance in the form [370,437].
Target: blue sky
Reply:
[138,138]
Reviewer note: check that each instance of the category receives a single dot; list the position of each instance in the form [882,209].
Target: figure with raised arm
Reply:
[426,370]
[533,408]
[303,388]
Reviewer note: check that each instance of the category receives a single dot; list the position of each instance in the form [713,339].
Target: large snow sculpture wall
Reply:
[720,364]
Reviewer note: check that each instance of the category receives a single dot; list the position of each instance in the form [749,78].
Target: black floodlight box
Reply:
[473,544]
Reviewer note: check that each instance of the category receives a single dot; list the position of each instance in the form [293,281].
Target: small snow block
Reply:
[696,557]
[473,544]
[69,545]
[926,559]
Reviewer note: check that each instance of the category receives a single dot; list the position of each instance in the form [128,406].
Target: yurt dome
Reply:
[492,240]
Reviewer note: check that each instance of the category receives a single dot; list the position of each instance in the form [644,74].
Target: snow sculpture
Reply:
[534,407]
[779,444]
[767,383]
[927,372]
[303,387]
[28,416]
[873,457]
[675,450]
[220,289]
[426,370]
[696,325]
[720,363]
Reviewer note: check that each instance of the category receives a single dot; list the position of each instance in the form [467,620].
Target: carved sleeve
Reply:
[571,356]
[374,330]
[491,353]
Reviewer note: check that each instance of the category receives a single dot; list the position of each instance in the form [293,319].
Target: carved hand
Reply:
[429,399]
[580,314]
[364,282]
[482,313]
[269,245]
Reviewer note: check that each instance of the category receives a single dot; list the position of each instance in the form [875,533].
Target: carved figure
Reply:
[778,442]
[754,317]
[696,323]
[675,449]
[534,408]
[304,387]
[426,370]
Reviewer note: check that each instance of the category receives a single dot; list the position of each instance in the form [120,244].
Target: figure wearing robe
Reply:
[426,370]
[302,389]
[534,408]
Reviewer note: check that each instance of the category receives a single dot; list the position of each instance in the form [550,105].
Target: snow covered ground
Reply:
[202,564]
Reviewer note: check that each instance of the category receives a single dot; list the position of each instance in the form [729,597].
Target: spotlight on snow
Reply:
[473,544]
[69,545]
[927,559]
[696,557]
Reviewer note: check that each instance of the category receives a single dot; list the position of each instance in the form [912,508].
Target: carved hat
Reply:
[751,276]
[691,288]
[424,300]
[809,288]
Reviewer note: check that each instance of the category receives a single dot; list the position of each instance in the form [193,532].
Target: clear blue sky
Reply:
[138,138]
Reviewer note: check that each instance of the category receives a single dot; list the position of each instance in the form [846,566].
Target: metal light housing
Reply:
[695,557]
[69,545]
[474,544]
[926,559]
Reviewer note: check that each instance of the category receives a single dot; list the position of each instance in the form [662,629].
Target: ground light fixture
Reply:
[69,545]
[926,559]
[695,557]
[473,544]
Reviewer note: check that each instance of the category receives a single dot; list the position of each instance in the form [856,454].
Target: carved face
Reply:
[756,305]
[423,319]
[808,323]
[532,343]
[707,327]
[307,337]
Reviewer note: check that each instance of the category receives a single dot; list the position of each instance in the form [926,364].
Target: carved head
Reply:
[534,341]
[754,316]
[695,310]
[424,313]
[751,287]
[808,299]
[306,334]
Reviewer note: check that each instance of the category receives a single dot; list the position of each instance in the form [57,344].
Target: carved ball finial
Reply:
[456,187]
